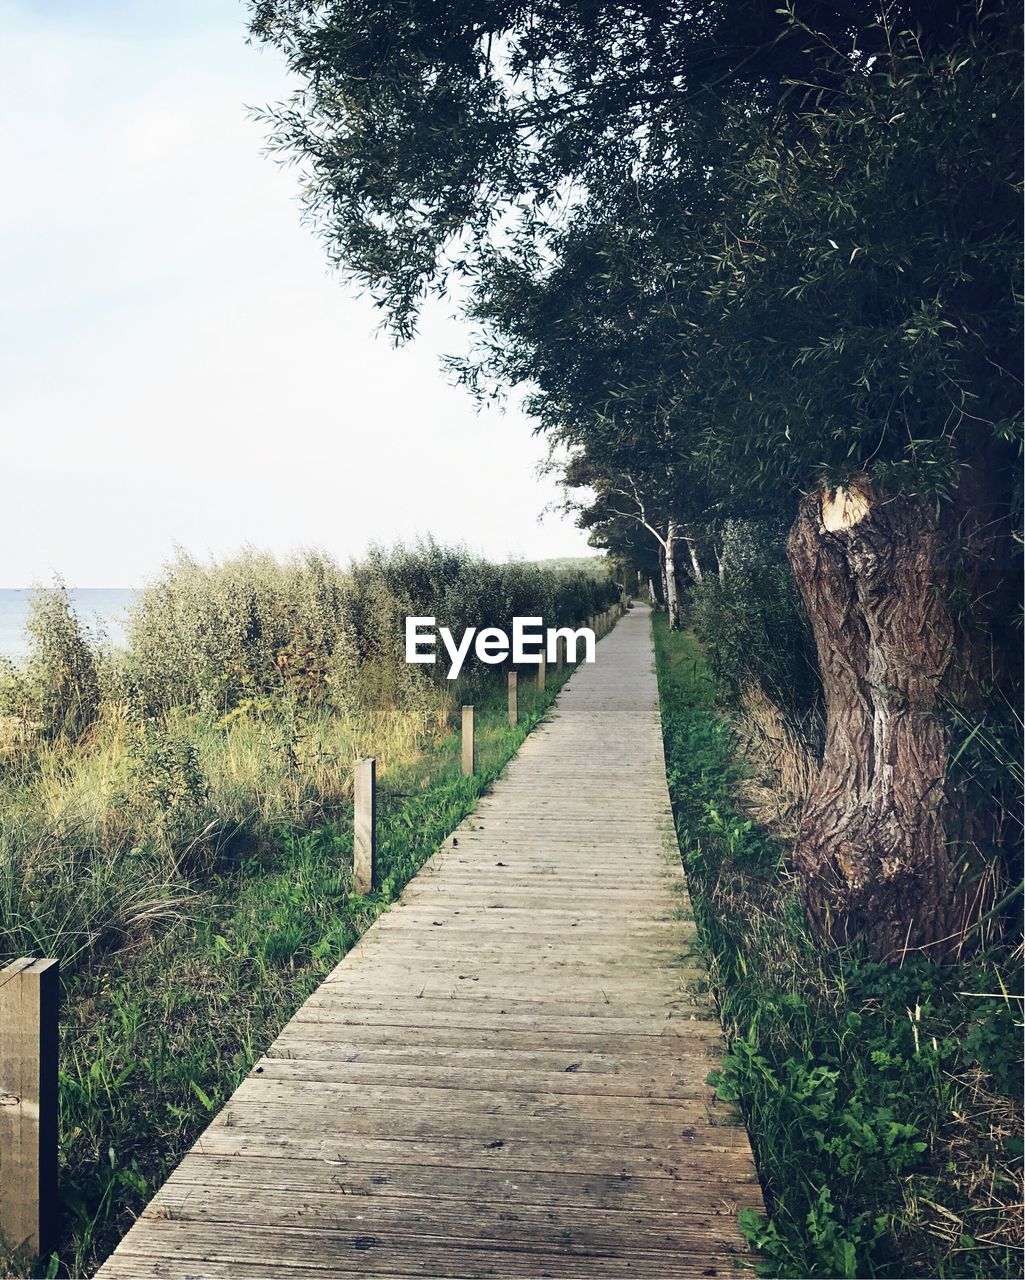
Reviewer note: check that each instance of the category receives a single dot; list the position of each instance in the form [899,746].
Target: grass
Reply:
[163,1017]
[883,1103]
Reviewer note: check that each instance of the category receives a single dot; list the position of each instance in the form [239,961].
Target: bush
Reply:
[61,681]
[216,637]
[753,626]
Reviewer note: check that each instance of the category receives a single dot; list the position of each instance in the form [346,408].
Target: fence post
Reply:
[513,708]
[467,742]
[364,831]
[29,998]
[560,654]
[542,673]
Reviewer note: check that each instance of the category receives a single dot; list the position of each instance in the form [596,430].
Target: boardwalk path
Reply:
[506,1076]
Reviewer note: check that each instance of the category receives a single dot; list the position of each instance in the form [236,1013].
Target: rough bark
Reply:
[872,851]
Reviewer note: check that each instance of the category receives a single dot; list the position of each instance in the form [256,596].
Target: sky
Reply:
[178,365]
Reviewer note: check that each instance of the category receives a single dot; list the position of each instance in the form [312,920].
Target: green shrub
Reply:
[61,680]
[753,626]
[214,637]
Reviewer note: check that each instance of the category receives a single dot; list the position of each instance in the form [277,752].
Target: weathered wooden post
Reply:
[542,673]
[560,654]
[364,831]
[467,742]
[29,999]
[513,706]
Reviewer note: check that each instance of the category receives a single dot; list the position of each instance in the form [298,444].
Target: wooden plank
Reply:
[507,1224]
[312,1088]
[366,1253]
[372,1180]
[652,1026]
[723,1144]
[681,1082]
[470,1117]
[473,1039]
[388,1050]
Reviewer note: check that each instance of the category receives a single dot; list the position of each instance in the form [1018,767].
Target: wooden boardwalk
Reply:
[506,1077]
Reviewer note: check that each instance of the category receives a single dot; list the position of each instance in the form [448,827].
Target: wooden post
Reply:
[542,673]
[560,654]
[467,743]
[29,997]
[513,707]
[364,830]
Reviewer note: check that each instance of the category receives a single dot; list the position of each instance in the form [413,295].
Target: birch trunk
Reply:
[672,596]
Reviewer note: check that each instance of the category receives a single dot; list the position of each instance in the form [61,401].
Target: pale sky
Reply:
[177,364]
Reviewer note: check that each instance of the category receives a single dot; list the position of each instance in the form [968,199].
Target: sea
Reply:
[99,609]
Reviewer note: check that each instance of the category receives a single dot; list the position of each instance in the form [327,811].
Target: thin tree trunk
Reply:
[672,596]
[695,563]
[873,850]
[651,593]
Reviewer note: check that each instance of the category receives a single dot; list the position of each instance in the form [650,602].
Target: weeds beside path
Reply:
[883,1102]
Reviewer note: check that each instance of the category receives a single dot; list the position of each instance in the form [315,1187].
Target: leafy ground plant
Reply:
[883,1102]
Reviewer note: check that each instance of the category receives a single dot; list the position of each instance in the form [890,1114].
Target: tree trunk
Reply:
[872,851]
[695,563]
[651,593]
[672,596]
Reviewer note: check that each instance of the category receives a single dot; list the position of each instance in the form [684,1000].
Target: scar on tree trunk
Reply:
[873,851]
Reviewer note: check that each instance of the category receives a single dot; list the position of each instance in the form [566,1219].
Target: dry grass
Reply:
[781,763]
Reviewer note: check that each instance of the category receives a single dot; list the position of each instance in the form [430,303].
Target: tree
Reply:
[766,261]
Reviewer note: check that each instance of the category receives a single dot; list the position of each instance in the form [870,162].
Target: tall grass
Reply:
[234,712]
